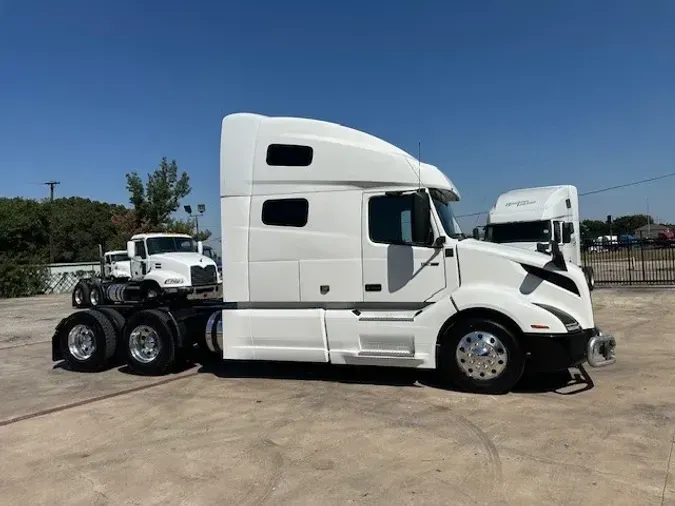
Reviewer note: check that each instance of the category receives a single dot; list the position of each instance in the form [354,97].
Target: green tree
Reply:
[24,240]
[628,224]
[591,229]
[188,227]
[155,202]
[80,225]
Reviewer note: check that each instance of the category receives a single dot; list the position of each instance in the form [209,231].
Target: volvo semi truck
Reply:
[341,248]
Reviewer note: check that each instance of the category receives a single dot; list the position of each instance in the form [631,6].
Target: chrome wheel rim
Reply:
[78,296]
[81,342]
[94,297]
[144,344]
[481,355]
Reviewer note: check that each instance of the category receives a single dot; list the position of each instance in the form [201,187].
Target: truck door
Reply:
[395,269]
[107,267]
[139,262]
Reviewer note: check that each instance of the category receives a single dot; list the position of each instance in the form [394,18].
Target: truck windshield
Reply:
[522,231]
[170,245]
[447,217]
[119,257]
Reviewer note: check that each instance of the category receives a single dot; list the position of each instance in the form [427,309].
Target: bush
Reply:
[21,277]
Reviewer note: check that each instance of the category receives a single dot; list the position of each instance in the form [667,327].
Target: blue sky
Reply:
[501,94]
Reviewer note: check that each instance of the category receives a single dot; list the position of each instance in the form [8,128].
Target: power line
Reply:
[593,192]
[627,184]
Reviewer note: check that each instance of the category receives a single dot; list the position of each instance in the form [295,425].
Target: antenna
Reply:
[419,164]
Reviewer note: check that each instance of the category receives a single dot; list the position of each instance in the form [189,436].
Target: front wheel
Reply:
[482,356]
[591,279]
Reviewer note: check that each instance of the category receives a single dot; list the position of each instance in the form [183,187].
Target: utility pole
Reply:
[51,185]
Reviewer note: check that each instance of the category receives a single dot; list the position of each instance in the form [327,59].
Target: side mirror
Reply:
[476,233]
[567,231]
[421,218]
[200,247]
[556,232]
[131,249]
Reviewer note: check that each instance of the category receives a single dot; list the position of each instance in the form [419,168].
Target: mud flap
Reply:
[56,344]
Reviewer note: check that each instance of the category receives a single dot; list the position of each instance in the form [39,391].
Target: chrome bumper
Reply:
[601,350]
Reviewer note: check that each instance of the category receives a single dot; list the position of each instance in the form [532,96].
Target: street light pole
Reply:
[201,208]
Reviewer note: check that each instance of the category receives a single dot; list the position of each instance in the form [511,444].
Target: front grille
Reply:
[203,275]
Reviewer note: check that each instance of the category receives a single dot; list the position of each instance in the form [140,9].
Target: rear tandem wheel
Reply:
[87,340]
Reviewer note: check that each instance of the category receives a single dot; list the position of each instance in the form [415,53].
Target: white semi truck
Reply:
[161,267]
[341,248]
[530,218]
[116,265]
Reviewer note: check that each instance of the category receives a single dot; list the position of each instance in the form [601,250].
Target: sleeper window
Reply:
[285,212]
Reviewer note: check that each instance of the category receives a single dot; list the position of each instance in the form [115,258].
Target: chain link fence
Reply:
[62,278]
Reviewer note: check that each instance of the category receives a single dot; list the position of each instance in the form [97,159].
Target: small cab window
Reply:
[289,155]
[390,220]
[285,212]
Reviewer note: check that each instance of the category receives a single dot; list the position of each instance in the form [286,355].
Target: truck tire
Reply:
[80,295]
[118,322]
[591,278]
[96,296]
[87,341]
[481,356]
[150,342]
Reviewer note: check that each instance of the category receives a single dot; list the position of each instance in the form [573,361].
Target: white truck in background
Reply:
[116,265]
[530,218]
[343,249]
[161,266]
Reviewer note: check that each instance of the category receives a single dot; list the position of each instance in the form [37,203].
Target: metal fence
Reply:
[635,262]
[62,278]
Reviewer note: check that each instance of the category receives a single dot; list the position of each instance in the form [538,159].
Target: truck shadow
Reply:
[561,383]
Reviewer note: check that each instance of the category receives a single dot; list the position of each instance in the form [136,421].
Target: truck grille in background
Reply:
[203,275]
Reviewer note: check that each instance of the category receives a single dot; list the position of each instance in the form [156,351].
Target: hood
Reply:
[500,265]
[188,258]
[509,251]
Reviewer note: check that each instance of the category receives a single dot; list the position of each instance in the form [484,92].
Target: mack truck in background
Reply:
[156,266]
[391,282]
[533,218]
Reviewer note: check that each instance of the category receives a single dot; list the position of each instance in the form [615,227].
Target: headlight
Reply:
[174,281]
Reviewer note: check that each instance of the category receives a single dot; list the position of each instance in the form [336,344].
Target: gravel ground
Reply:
[297,434]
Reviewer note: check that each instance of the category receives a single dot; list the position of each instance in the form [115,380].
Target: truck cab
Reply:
[166,263]
[116,265]
[343,248]
[528,217]
[211,253]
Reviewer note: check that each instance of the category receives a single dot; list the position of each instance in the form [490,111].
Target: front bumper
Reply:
[600,349]
[556,352]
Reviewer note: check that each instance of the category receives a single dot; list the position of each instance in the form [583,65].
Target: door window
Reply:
[140,249]
[390,220]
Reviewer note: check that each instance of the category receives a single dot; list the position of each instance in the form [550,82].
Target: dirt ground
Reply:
[252,435]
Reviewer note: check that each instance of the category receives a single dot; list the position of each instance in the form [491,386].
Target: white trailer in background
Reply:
[529,217]
[341,248]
